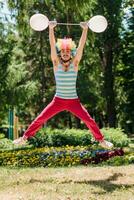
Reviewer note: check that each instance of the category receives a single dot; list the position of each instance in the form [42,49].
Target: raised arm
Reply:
[54,56]
[82,42]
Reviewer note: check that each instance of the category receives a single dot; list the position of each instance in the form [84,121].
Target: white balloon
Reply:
[39,22]
[98,23]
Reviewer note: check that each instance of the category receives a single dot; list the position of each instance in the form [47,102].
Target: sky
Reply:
[5,13]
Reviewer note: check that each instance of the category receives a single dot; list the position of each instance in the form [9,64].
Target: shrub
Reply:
[2,135]
[75,137]
[117,161]
[116,136]
[5,143]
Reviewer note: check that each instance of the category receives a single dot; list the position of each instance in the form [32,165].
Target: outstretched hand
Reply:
[84,25]
[20,141]
[52,24]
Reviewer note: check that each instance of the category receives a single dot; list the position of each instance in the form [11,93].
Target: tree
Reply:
[7,42]
[109,49]
[126,73]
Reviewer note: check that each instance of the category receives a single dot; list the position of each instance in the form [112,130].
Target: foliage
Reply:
[125,74]
[74,137]
[7,42]
[61,137]
[58,156]
[108,48]
[117,161]
[6,143]
[117,136]
[2,136]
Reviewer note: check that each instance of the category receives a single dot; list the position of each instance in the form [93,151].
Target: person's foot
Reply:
[105,144]
[20,141]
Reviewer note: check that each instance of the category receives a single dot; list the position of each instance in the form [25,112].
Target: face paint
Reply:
[65,54]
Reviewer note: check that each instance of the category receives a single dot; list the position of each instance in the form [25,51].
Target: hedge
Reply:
[75,137]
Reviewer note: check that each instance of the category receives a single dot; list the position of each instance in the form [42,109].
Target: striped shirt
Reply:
[66,82]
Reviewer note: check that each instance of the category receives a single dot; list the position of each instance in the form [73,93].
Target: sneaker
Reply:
[106,144]
[20,141]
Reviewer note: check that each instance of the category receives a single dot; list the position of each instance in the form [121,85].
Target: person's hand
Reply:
[84,25]
[20,141]
[52,24]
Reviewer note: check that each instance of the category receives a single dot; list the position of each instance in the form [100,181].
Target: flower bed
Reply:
[60,156]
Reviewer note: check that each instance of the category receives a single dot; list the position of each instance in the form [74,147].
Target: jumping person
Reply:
[65,58]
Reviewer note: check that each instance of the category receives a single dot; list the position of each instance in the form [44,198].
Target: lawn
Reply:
[68,183]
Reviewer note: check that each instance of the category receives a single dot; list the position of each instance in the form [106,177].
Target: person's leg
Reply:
[54,107]
[78,110]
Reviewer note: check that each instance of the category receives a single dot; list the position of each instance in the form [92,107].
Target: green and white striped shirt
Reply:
[66,82]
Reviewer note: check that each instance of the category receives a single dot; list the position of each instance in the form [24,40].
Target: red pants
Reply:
[57,105]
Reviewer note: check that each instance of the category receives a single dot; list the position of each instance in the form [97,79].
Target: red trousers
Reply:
[57,105]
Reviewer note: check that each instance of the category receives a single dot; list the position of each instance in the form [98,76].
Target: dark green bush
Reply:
[60,137]
[75,137]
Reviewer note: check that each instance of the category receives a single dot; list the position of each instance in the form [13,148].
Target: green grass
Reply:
[74,183]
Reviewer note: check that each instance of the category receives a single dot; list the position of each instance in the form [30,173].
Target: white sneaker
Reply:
[106,144]
[20,141]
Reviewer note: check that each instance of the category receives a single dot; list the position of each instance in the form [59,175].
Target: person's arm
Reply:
[54,56]
[82,42]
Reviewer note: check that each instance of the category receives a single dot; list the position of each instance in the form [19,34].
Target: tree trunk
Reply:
[42,73]
[69,19]
[107,61]
[70,121]
[78,125]
[109,92]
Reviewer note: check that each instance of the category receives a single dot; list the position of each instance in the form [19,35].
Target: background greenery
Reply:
[106,70]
